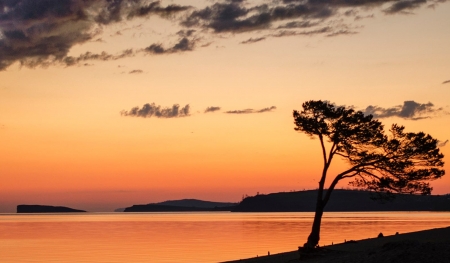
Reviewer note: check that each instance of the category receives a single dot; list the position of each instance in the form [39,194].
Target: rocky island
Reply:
[184,205]
[46,209]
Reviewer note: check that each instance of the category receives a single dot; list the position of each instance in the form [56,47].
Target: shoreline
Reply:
[431,245]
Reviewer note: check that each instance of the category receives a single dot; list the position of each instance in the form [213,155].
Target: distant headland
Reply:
[184,205]
[342,201]
[46,209]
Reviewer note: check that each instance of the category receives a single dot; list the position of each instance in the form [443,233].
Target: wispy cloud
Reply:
[445,82]
[152,110]
[184,44]
[253,40]
[212,109]
[248,111]
[442,144]
[136,71]
[266,109]
[409,110]
[103,56]
[402,6]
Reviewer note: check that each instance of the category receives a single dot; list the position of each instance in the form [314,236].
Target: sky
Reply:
[109,103]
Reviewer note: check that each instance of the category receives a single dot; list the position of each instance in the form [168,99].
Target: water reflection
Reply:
[187,237]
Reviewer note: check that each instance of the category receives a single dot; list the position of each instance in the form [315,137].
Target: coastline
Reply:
[432,245]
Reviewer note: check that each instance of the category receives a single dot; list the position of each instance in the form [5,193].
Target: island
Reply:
[184,205]
[46,209]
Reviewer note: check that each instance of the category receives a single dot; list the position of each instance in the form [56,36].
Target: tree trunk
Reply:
[314,236]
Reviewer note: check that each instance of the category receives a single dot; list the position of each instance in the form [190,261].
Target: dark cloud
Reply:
[401,6]
[267,109]
[298,24]
[104,56]
[212,109]
[112,11]
[240,111]
[442,144]
[136,71]
[327,30]
[341,32]
[247,111]
[234,16]
[445,82]
[153,110]
[253,40]
[155,49]
[155,8]
[184,44]
[409,110]
[42,32]
[364,17]
[279,15]
[186,33]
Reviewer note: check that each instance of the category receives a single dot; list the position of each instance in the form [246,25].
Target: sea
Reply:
[193,237]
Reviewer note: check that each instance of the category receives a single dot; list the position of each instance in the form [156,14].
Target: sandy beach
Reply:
[427,246]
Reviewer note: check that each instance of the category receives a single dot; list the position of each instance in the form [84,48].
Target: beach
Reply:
[425,246]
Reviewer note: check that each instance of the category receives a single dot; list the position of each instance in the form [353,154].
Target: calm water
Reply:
[187,237]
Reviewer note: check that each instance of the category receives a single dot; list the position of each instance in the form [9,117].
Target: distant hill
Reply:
[184,205]
[343,201]
[195,203]
[45,209]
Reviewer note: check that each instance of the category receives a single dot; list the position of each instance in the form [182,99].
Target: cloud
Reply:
[298,24]
[104,56]
[42,32]
[442,144]
[136,71]
[152,110]
[235,16]
[445,82]
[184,44]
[212,109]
[240,111]
[253,40]
[267,109]
[155,8]
[248,111]
[328,31]
[401,6]
[409,110]
[275,16]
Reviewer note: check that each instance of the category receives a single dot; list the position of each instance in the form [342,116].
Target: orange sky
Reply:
[64,142]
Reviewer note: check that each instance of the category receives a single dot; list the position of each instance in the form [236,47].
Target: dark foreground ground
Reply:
[428,246]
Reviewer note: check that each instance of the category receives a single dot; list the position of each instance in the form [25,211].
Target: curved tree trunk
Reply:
[314,236]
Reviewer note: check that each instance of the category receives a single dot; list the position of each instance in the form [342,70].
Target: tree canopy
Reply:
[379,160]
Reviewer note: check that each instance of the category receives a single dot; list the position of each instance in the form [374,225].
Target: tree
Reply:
[400,162]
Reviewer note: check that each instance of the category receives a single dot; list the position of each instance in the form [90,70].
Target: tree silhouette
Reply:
[399,162]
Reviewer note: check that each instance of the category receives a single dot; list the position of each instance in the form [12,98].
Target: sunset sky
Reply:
[89,93]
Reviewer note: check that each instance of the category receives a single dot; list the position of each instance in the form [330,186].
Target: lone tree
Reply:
[400,162]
